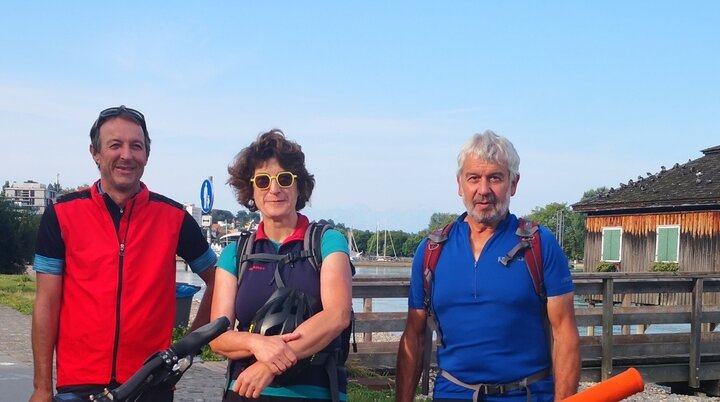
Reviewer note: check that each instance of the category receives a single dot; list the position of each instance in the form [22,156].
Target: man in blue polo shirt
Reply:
[493,323]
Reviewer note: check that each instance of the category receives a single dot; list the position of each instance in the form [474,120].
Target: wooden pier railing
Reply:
[613,334]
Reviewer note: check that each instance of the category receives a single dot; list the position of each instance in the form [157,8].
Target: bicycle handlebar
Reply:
[187,346]
[195,340]
[133,383]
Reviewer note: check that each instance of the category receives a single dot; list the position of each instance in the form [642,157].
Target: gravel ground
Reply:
[653,392]
[656,393]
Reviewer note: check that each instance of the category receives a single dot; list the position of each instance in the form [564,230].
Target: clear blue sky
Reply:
[381,95]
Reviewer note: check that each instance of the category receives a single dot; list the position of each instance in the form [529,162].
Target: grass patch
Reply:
[360,393]
[372,385]
[17,292]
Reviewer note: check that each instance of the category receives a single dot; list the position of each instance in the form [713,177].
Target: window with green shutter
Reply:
[668,243]
[611,244]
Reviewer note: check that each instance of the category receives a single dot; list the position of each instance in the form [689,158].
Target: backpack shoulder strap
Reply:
[529,243]
[244,248]
[435,241]
[528,230]
[312,248]
[312,243]
[434,245]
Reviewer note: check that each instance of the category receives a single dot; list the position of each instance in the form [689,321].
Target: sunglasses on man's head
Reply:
[283,179]
[117,111]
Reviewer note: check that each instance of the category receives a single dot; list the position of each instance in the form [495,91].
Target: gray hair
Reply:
[491,147]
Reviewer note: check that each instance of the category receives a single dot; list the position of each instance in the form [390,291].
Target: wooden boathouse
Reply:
[670,216]
[669,220]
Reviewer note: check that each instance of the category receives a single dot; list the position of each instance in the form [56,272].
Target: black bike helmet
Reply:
[284,311]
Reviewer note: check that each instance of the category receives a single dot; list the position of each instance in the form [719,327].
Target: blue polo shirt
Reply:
[489,314]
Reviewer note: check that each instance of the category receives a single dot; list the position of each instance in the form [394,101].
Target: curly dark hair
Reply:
[289,155]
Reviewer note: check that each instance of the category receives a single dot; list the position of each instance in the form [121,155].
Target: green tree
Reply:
[18,229]
[382,244]
[440,219]
[573,226]
[412,242]
[362,239]
[69,190]
[245,217]
[437,221]
[219,215]
[592,193]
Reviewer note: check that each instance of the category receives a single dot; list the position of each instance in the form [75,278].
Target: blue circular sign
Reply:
[206,196]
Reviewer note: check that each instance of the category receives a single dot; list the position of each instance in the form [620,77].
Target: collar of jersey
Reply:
[298,234]
[98,194]
[502,225]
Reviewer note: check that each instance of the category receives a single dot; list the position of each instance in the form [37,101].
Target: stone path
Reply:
[203,382]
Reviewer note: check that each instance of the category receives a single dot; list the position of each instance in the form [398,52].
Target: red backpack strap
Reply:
[528,231]
[431,255]
[433,247]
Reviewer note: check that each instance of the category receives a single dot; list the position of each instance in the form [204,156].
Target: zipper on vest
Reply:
[121,258]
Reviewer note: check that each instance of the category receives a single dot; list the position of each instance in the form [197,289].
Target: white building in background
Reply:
[30,194]
[195,212]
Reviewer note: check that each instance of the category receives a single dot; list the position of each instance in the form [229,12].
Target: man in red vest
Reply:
[105,264]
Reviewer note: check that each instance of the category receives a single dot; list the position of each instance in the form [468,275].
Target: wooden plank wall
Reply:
[699,240]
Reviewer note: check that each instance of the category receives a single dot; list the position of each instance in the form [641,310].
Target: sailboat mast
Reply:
[385,245]
[377,240]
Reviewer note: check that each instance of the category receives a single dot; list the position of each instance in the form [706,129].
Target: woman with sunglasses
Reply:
[270,176]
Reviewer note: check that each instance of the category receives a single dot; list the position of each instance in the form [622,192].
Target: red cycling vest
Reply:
[118,302]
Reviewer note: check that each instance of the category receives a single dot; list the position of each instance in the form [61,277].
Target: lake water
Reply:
[379,305]
[400,304]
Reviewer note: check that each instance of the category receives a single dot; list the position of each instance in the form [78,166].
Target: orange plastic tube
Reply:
[613,389]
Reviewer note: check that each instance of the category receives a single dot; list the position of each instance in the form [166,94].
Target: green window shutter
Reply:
[667,248]
[611,245]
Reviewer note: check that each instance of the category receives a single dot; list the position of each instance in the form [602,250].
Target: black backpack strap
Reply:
[526,232]
[312,243]
[312,247]
[245,255]
[245,244]
[529,244]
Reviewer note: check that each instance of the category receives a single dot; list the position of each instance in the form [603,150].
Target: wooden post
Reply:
[695,333]
[367,307]
[626,303]
[591,328]
[607,334]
